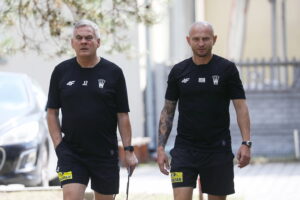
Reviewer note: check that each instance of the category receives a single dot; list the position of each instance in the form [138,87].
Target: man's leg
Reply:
[184,173]
[217,180]
[183,193]
[74,191]
[71,172]
[99,196]
[104,179]
[214,197]
[200,190]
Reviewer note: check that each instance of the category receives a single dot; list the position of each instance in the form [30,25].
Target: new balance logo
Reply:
[185,80]
[70,83]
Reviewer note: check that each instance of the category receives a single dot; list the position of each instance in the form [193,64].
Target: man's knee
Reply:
[73,191]
[183,193]
[99,196]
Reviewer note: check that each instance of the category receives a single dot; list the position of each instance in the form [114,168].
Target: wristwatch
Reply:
[247,143]
[129,148]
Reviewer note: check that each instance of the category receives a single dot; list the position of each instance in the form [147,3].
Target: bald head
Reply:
[201,39]
[201,25]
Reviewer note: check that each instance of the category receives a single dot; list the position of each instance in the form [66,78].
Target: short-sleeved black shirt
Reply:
[203,93]
[90,99]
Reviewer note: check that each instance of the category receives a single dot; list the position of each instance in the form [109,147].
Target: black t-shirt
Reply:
[203,93]
[90,99]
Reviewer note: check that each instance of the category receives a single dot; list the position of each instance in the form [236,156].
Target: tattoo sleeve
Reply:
[166,122]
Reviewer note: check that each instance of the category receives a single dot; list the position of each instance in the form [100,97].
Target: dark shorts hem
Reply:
[179,186]
[105,192]
[219,194]
[76,168]
[62,183]
[215,170]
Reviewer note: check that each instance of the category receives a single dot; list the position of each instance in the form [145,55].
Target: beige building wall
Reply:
[293,31]
[217,13]
[258,41]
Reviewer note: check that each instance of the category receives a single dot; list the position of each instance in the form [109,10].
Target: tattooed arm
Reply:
[165,127]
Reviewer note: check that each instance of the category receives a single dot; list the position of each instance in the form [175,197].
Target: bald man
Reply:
[203,86]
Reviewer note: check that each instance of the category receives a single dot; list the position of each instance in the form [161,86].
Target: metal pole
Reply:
[274,68]
[284,43]
[274,28]
[149,92]
[283,24]
[296,143]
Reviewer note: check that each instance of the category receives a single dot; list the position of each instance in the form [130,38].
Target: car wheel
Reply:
[44,167]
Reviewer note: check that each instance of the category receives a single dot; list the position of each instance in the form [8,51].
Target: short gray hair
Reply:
[86,22]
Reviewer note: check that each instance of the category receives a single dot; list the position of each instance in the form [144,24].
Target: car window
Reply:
[13,94]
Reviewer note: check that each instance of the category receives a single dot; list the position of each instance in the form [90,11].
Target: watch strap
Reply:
[247,143]
[129,148]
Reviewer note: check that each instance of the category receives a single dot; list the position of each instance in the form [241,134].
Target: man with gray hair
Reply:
[91,93]
[203,85]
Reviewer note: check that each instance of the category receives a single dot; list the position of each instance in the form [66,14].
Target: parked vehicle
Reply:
[26,153]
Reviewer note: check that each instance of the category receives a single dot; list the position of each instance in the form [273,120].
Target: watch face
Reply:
[247,143]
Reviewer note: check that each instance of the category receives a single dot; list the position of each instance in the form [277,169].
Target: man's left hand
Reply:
[130,161]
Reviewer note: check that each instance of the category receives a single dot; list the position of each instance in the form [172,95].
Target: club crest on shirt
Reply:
[101,83]
[215,79]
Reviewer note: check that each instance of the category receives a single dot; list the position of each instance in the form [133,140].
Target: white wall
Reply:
[36,66]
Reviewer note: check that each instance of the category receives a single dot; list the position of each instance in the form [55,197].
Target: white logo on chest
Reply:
[215,79]
[185,80]
[201,80]
[101,83]
[85,83]
[70,83]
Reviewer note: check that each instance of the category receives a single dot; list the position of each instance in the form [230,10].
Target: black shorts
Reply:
[214,168]
[76,168]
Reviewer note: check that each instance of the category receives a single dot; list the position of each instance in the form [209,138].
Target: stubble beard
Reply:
[202,55]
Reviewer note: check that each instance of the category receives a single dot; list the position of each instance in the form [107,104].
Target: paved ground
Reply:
[271,181]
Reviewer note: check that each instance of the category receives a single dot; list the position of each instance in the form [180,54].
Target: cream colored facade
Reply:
[258,40]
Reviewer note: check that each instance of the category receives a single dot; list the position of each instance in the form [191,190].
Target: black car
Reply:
[25,150]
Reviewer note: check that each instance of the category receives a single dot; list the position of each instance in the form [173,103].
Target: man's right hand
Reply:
[163,161]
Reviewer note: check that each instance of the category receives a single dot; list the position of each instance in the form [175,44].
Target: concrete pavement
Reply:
[269,181]
[272,181]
